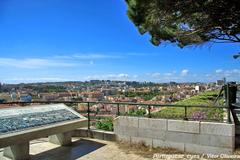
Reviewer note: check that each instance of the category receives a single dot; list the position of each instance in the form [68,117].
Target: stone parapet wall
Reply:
[188,136]
[95,133]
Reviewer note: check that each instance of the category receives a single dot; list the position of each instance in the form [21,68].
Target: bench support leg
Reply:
[63,139]
[17,151]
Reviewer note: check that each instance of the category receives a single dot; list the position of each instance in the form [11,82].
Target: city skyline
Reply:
[46,41]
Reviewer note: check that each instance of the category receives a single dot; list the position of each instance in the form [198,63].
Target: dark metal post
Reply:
[118,112]
[231,93]
[149,111]
[228,103]
[185,113]
[88,115]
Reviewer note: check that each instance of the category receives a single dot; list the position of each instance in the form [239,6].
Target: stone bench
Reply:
[16,142]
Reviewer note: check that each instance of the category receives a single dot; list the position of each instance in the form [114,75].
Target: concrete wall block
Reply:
[119,130]
[152,133]
[123,138]
[116,129]
[217,128]
[126,121]
[140,140]
[83,132]
[182,137]
[116,121]
[150,123]
[195,148]
[132,122]
[168,144]
[96,134]
[129,131]
[120,121]
[189,136]
[109,137]
[184,126]
[217,141]
[144,123]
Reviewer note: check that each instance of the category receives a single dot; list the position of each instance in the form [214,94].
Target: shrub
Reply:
[105,124]
[138,112]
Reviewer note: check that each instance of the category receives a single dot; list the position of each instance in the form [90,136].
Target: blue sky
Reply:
[61,40]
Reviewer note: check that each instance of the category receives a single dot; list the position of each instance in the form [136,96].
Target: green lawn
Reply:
[195,113]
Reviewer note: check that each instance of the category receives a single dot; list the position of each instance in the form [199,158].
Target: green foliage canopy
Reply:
[187,22]
[105,124]
[145,95]
[138,112]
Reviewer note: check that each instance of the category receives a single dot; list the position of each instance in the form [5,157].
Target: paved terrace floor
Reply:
[82,149]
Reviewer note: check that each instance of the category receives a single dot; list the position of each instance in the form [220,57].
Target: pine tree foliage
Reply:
[187,22]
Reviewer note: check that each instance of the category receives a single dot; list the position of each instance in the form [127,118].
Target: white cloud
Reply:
[33,63]
[163,77]
[228,73]
[106,55]
[159,76]
[194,75]
[95,56]
[135,76]
[168,74]
[182,76]
[218,71]
[231,75]
[235,72]
[155,75]
[36,79]
[184,72]
[88,56]
[172,76]
[121,76]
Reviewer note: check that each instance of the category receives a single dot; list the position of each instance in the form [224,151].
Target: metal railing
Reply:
[119,104]
[238,95]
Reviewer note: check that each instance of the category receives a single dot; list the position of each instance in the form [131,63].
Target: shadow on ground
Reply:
[76,150]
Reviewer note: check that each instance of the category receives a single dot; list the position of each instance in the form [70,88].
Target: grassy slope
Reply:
[206,98]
